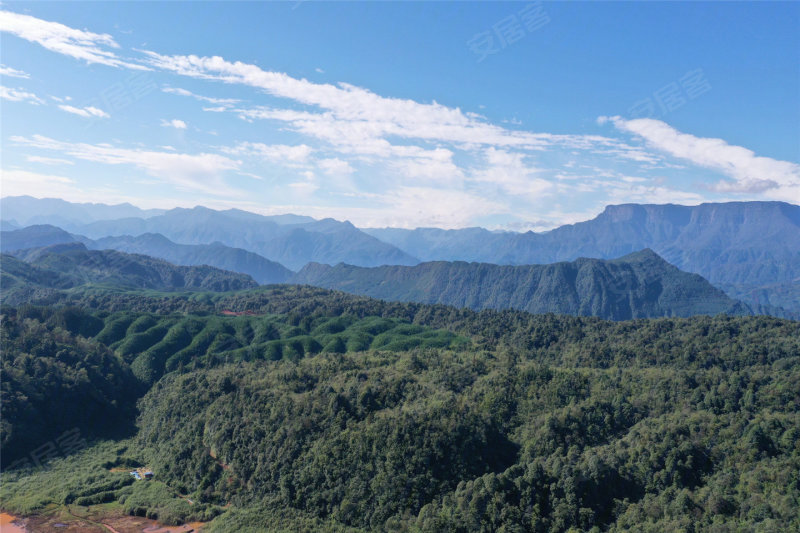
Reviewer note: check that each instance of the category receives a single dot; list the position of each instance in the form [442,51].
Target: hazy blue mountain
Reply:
[26,211]
[70,265]
[215,254]
[778,299]
[292,245]
[8,225]
[36,237]
[278,219]
[750,249]
[747,247]
[638,285]
[292,240]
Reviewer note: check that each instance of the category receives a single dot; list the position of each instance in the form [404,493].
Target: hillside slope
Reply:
[155,245]
[638,285]
[71,265]
[215,254]
[747,247]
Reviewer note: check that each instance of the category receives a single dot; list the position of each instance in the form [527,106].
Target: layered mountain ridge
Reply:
[639,285]
[751,250]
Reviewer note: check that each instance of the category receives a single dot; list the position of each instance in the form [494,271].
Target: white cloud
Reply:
[48,160]
[87,112]
[508,171]
[12,72]
[201,172]
[19,95]
[281,153]
[174,123]
[419,206]
[15,182]
[625,192]
[307,186]
[433,207]
[335,166]
[404,207]
[224,103]
[80,44]
[357,113]
[750,173]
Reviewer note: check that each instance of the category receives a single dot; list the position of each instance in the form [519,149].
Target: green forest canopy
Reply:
[410,417]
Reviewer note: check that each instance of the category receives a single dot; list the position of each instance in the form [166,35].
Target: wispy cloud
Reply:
[354,114]
[394,161]
[224,102]
[750,173]
[306,186]
[509,172]
[17,182]
[85,45]
[201,172]
[48,160]
[19,95]
[174,123]
[335,166]
[87,112]
[297,154]
[13,73]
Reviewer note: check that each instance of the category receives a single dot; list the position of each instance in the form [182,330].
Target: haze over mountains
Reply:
[216,254]
[29,211]
[751,250]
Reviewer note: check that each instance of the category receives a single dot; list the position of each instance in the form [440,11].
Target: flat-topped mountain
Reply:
[748,248]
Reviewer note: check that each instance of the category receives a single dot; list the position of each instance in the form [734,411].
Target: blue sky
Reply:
[504,115]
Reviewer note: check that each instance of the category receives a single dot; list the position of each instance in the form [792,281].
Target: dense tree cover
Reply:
[703,436]
[69,367]
[537,423]
[70,265]
[55,382]
[216,254]
[638,285]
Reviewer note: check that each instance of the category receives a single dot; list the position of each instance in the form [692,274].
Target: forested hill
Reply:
[750,249]
[64,266]
[155,245]
[215,254]
[638,285]
[289,408]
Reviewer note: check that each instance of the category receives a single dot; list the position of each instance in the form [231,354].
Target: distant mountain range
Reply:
[639,285]
[23,211]
[64,266]
[752,249]
[217,255]
[289,240]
